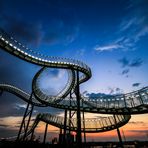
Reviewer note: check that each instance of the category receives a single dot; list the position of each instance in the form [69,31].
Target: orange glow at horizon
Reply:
[137,128]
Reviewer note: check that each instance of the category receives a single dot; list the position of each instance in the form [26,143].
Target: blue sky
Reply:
[109,35]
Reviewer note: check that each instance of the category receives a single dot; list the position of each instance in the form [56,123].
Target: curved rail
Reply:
[92,124]
[21,94]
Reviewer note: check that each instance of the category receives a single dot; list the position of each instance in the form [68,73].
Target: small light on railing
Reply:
[18,49]
[10,44]
[22,51]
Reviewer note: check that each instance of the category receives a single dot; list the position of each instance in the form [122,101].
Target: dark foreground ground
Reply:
[130,144]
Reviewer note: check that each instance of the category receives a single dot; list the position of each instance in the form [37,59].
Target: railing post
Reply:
[124,101]
[141,100]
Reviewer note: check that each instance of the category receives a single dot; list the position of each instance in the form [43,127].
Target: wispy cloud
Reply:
[142,32]
[131,29]
[80,52]
[108,47]
[126,24]
[134,25]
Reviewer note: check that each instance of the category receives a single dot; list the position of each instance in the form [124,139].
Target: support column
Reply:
[60,130]
[118,132]
[44,140]
[23,124]
[60,136]
[65,125]
[32,134]
[78,136]
[70,113]
[84,126]
[1,92]
[26,129]
[18,137]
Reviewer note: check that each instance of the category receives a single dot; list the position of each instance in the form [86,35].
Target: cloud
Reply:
[3,125]
[115,90]
[126,24]
[136,122]
[136,84]
[26,32]
[136,62]
[124,72]
[134,24]
[130,63]
[124,61]
[107,47]
[60,31]
[138,131]
[111,91]
[142,32]
[57,31]
[95,95]
[6,132]
[80,52]
[20,106]
[12,110]
[131,29]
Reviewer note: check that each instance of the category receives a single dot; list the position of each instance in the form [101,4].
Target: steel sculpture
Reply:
[119,106]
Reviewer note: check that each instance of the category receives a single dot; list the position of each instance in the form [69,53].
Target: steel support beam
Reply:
[26,129]
[70,113]
[118,132]
[23,124]
[45,134]
[32,135]
[65,125]
[84,125]
[78,136]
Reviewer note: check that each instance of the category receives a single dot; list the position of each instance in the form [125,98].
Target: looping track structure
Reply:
[120,107]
